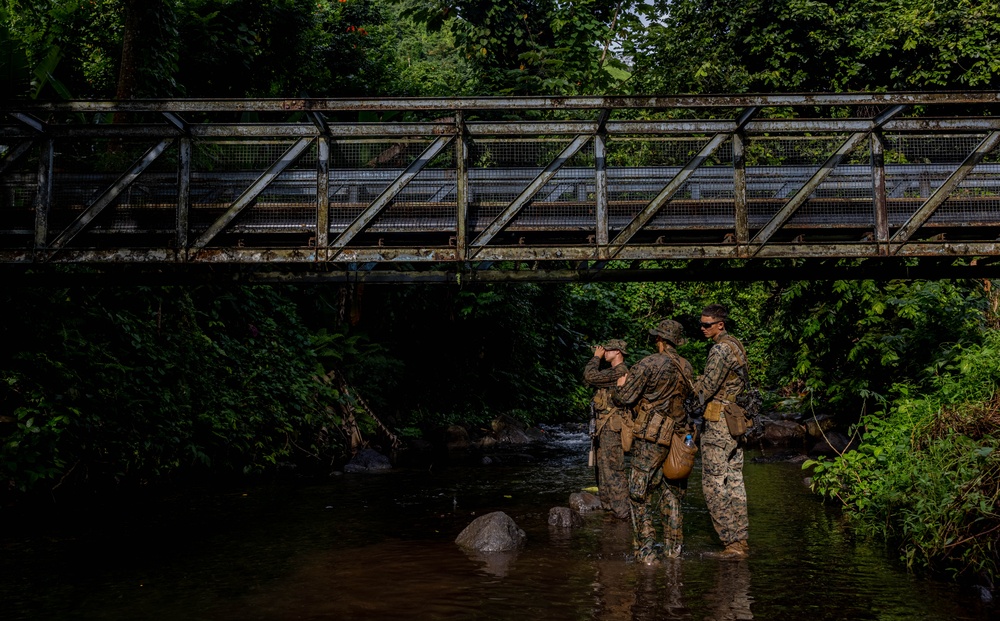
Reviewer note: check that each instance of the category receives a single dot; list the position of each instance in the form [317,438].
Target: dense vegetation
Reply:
[110,387]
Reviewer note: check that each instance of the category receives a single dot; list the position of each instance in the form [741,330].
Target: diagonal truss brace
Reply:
[15,154]
[788,210]
[251,193]
[109,195]
[650,210]
[935,200]
[385,198]
[526,195]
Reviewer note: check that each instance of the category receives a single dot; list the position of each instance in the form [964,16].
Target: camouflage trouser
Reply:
[722,482]
[654,499]
[611,480]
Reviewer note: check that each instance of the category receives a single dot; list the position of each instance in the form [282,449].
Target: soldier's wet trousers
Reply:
[611,479]
[722,482]
[654,500]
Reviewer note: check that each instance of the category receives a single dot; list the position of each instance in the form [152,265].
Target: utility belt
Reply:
[655,424]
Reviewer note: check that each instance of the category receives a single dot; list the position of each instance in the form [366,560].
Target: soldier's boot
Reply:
[736,551]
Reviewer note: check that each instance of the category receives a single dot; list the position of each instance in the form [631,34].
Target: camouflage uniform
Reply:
[655,384]
[722,457]
[610,456]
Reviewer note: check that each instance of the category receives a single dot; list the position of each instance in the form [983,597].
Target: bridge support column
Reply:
[878,193]
[43,194]
[601,192]
[322,196]
[183,194]
[461,188]
[740,205]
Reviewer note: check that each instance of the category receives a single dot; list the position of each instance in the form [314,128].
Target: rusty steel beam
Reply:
[310,256]
[509,103]
[461,187]
[184,152]
[43,194]
[322,192]
[613,128]
[15,154]
[875,270]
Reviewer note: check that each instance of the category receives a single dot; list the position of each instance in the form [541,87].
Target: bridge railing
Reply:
[486,180]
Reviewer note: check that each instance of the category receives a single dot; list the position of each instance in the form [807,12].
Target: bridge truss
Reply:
[437,190]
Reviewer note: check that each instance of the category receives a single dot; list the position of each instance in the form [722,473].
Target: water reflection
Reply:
[383,548]
[496,564]
[730,598]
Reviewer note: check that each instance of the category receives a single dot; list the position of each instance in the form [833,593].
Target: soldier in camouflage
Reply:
[609,442]
[722,456]
[656,387]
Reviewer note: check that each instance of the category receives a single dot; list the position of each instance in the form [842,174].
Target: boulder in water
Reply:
[493,532]
[783,432]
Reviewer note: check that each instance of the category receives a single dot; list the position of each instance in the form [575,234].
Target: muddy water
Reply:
[381,547]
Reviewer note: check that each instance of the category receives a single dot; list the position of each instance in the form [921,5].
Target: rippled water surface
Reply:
[382,547]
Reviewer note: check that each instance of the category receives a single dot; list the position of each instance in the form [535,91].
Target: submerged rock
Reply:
[368,460]
[564,517]
[584,502]
[493,532]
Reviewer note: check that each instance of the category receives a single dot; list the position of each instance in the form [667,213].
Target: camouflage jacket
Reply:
[656,382]
[720,379]
[604,380]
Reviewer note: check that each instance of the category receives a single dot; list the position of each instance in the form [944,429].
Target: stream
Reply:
[381,546]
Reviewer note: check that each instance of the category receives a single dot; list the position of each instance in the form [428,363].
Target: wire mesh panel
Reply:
[845,198]
[223,170]
[362,169]
[917,165]
[976,200]
[18,188]
[642,166]
[501,168]
[89,172]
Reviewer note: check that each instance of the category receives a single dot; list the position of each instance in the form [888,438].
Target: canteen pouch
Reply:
[626,433]
[736,420]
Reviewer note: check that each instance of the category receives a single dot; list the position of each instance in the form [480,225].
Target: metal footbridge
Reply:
[537,188]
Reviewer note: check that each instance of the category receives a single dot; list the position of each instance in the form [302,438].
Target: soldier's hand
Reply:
[621,380]
[599,351]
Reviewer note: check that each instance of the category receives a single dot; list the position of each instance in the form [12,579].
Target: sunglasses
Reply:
[709,324]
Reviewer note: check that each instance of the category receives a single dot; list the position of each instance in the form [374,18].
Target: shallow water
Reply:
[381,547]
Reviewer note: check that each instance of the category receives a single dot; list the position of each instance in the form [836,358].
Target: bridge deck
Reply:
[581,181]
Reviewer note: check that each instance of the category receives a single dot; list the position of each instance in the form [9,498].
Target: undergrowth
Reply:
[926,476]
